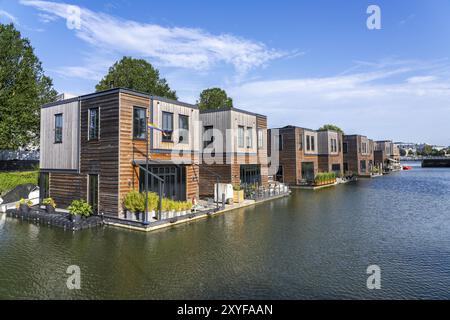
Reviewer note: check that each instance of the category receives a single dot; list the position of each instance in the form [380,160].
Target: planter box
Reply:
[24,208]
[50,209]
[238,196]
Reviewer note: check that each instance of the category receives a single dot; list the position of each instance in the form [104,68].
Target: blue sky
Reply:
[304,63]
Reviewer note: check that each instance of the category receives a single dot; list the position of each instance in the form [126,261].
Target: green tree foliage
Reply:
[214,98]
[23,89]
[136,74]
[331,127]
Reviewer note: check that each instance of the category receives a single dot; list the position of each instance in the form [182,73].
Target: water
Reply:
[311,245]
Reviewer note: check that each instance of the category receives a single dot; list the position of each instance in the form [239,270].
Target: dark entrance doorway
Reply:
[250,174]
[93,192]
[308,171]
[44,189]
[174,181]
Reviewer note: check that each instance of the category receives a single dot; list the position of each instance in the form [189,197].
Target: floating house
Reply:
[234,149]
[98,147]
[358,155]
[330,156]
[295,149]
[386,154]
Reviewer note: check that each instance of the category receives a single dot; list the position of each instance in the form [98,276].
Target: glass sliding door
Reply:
[93,192]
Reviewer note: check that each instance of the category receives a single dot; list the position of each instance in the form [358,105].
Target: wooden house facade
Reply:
[94,147]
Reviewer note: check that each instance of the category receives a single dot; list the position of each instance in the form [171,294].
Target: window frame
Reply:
[249,137]
[180,129]
[145,133]
[241,137]
[96,138]
[260,139]
[168,136]
[59,139]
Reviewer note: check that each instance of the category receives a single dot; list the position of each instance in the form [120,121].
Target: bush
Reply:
[153,201]
[134,202]
[49,202]
[24,201]
[81,208]
[10,180]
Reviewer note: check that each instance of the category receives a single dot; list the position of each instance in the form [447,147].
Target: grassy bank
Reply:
[9,180]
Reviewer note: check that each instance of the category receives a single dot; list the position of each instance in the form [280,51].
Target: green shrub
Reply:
[10,180]
[153,201]
[49,202]
[24,201]
[134,201]
[80,208]
[236,187]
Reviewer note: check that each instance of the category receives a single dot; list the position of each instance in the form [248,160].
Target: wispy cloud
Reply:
[8,16]
[392,102]
[169,46]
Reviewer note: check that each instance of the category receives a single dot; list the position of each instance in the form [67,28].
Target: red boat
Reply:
[407,168]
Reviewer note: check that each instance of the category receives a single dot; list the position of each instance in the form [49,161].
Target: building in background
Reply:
[234,149]
[298,148]
[358,155]
[331,158]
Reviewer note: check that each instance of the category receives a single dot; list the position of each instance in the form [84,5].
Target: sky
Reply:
[304,63]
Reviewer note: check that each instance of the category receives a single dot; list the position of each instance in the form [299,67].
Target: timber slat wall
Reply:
[102,157]
[65,187]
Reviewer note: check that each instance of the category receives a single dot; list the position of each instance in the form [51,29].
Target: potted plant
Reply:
[165,207]
[134,203]
[238,194]
[153,200]
[79,209]
[24,205]
[49,204]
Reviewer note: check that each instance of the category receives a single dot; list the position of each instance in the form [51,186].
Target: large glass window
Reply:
[167,126]
[363,166]
[208,137]
[58,128]
[249,137]
[280,142]
[308,143]
[183,126]
[241,131]
[93,192]
[313,146]
[139,123]
[345,147]
[94,124]
[260,139]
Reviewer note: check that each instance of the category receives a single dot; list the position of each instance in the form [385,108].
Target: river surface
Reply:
[308,246]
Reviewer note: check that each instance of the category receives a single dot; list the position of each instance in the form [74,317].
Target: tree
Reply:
[331,127]
[214,98]
[23,89]
[136,74]
[427,150]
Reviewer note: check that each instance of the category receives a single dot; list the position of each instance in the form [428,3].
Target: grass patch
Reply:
[10,180]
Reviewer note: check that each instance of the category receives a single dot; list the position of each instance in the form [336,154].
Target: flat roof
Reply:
[233,109]
[293,127]
[119,90]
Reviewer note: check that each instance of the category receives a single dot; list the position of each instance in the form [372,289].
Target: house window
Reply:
[300,146]
[313,147]
[280,142]
[58,128]
[167,126]
[183,124]
[139,123]
[93,192]
[279,176]
[260,139]
[94,124]
[249,137]
[333,145]
[241,137]
[345,147]
[208,136]
[363,166]
[308,143]
[364,147]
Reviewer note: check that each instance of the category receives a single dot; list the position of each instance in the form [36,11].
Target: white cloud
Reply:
[8,16]
[421,79]
[169,46]
[380,104]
